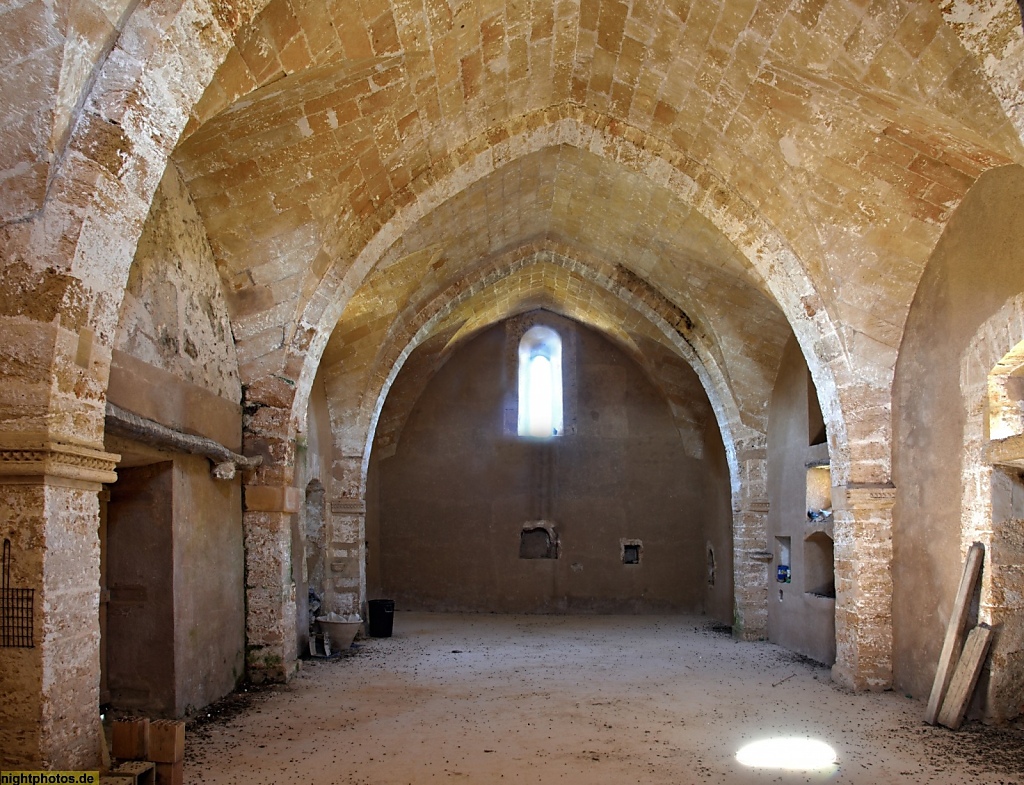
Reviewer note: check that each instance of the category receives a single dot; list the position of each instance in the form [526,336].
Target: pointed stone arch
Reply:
[771,261]
[859,447]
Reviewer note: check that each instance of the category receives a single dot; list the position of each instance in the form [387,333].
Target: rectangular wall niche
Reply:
[538,542]
[631,550]
[819,565]
[819,493]
[783,555]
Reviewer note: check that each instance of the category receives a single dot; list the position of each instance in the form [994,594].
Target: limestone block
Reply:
[346,528]
[264,620]
[270,499]
[345,569]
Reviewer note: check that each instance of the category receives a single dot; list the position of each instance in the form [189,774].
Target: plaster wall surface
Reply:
[798,619]
[976,268]
[209,582]
[455,496]
[159,395]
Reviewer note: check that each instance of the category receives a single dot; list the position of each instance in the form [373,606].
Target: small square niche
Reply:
[631,550]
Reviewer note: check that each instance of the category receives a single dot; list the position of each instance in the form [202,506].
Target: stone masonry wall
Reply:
[174,315]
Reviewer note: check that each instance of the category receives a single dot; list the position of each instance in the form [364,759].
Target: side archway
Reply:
[354,430]
[992,507]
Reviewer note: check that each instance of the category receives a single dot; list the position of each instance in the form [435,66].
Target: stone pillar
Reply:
[270,502]
[750,543]
[347,535]
[269,585]
[750,571]
[49,691]
[863,562]
[347,556]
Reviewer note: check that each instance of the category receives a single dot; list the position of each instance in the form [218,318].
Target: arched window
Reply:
[540,383]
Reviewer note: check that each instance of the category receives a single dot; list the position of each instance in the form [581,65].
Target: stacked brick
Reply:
[147,753]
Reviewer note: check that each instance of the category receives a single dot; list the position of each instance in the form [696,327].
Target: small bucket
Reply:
[382,618]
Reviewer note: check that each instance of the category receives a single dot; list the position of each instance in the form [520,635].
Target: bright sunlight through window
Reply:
[540,383]
[790,754]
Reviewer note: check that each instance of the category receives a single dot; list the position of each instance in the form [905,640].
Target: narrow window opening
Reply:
[540,397]
[540,383]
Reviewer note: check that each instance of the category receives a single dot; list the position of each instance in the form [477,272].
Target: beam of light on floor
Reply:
[791,754]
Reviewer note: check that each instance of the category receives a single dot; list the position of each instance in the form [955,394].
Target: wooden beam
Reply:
[133,426]
[955,631]
[966,677]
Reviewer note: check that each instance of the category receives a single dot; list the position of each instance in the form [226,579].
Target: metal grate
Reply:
[16,606]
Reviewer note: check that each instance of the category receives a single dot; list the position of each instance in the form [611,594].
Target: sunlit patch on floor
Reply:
[788,753]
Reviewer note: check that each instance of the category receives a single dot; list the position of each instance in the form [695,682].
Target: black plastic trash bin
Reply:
[382,618]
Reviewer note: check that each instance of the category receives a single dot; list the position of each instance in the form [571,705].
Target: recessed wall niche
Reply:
[783,559]
[631,551]
[537,543]
[819,493]
[819,565]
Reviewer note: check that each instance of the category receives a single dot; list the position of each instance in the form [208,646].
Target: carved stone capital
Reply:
[39,455]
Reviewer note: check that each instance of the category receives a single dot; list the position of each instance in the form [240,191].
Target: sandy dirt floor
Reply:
[597,699]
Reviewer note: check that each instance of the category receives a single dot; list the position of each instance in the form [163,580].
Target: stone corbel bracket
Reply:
[225,462]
